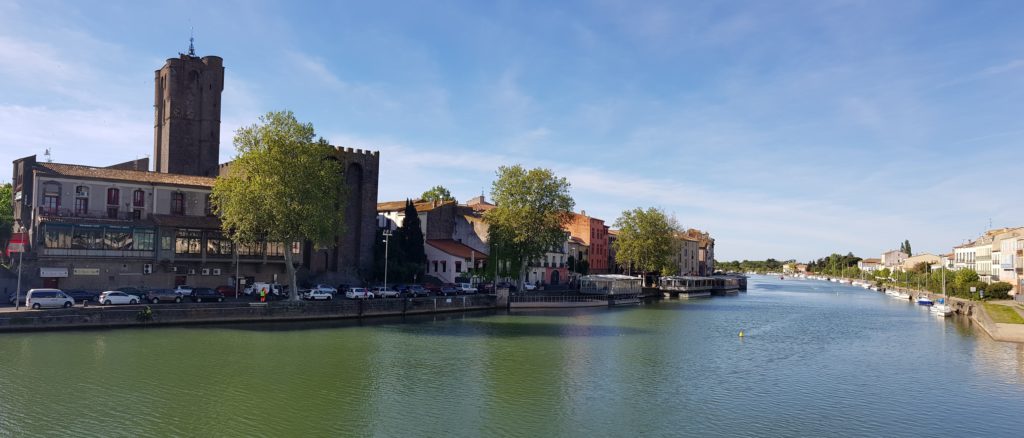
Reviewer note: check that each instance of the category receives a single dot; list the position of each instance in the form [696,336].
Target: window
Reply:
[81,206]
[166,240]
[435,265]
[50,204]
[187,241]
[458,266]
[178,203]
[82,192]
[111,212]
[250,249]
[275,249]
[87,237]
[217,244]
[57,236]
[444,266]
[117,238]
[113,196]
[138,198]
[142,239]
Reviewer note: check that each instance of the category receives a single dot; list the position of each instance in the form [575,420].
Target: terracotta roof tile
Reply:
[107,173]
[456,249]
[421,206]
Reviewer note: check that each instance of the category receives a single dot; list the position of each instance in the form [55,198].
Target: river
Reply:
[818,359]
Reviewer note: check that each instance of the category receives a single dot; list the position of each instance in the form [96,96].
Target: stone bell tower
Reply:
[186,137]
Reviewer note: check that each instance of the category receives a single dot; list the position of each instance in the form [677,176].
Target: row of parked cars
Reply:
[40,298]
[132,295]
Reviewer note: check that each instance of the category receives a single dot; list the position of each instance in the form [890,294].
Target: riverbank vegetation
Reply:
[647,241]
[759,266]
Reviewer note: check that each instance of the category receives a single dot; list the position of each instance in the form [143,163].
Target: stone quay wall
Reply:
[205,313]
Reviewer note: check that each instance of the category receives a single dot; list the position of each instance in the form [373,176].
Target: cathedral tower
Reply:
[186,136]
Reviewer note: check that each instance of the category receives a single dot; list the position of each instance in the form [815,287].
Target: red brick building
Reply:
[594,233]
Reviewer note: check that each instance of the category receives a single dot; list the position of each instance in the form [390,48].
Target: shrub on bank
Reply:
[998,291]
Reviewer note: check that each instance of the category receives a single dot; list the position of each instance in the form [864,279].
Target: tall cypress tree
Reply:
[414,257]
[906,245]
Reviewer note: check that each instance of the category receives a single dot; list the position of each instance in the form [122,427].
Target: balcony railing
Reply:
[121,214]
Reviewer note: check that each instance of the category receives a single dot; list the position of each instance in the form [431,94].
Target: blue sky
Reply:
[787,129]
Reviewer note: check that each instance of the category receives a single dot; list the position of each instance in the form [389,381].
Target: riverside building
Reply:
[124,225]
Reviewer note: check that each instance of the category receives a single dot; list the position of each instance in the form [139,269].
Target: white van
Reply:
[255,288]
[39,298]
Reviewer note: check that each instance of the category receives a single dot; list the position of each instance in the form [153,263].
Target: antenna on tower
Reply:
[191,41]
[49,159]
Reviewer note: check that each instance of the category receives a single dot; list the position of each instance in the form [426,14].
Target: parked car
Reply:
[83,295]
[317,294]
[117,297]
[358,293]
[383,292]
[447,290]
[529,286]
[155,296]
[131,291]
[184,290]
[466,288]
[201,294]
[227,291]
[39,298]
[325,288]
[433,288]
[415,290]
[21,297]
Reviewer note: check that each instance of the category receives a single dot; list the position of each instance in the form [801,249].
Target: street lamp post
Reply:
[17,291]
[387,237]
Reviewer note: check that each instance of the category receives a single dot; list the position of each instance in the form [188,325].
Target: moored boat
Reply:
[924,300]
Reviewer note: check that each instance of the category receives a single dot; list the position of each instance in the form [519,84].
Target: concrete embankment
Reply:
[976,311]
[179,314]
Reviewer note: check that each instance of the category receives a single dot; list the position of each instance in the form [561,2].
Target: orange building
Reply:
[594,233]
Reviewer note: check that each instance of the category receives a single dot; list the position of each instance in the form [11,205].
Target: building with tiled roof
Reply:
[123,225]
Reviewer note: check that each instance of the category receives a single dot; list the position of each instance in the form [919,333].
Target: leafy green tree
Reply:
[921,268]
[281,187]
[647,239]
[583,267]
[964,277]
[532,208]
[437,193]
[6,215]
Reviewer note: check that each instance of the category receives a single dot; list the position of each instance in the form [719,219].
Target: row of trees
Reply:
[958,283]
[759,266]
[261,198]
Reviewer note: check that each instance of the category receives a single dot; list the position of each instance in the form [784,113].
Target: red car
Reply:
[227,291]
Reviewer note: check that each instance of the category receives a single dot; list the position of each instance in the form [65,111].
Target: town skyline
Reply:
[766,184]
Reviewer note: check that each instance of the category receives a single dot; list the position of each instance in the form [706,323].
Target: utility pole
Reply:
[387,237]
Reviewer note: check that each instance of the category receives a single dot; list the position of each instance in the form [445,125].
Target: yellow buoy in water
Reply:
[741,333]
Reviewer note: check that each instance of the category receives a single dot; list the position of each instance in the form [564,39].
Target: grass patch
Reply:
[1003,314]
